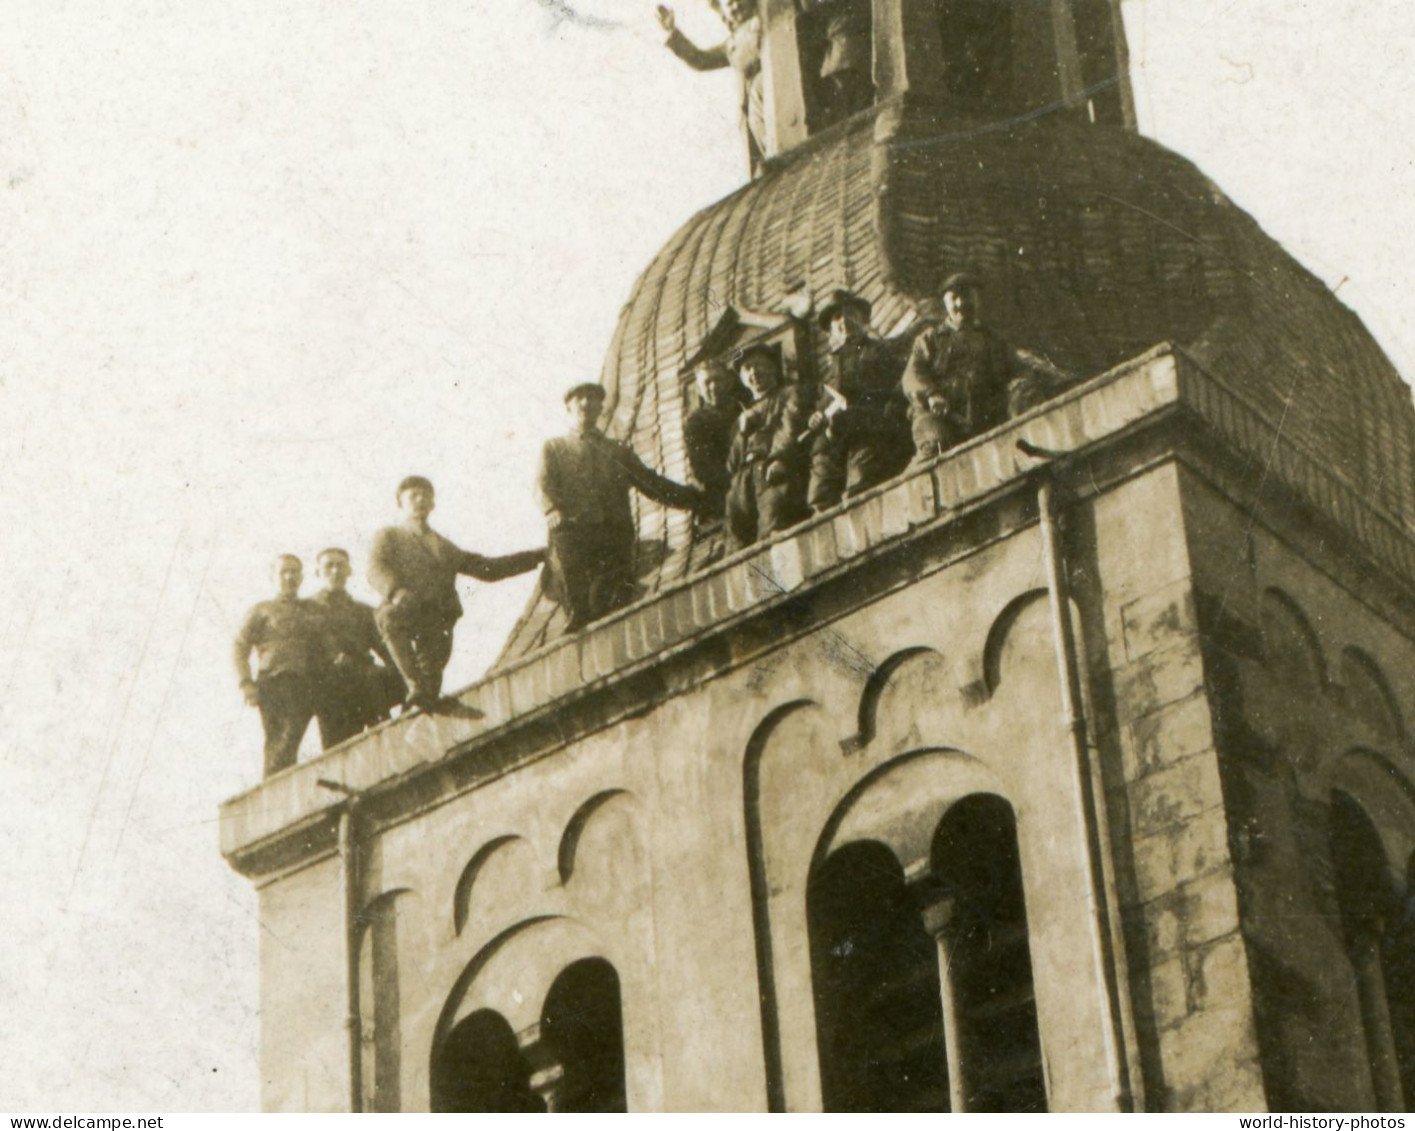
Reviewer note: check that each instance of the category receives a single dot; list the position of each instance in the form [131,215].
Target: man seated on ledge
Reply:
[415,570]
[963,379]
[583,488]
[289,638]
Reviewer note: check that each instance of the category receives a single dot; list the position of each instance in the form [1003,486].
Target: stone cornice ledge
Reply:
[544,700]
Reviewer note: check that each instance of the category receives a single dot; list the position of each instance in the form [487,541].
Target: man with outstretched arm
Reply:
[583,488]
[414,569]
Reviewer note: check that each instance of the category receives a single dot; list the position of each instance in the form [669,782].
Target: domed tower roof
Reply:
[1093,245]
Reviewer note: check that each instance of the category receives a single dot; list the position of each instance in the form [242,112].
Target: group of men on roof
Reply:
[798,447]
[795,448]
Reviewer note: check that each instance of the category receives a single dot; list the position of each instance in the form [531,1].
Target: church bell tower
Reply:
[1070,770]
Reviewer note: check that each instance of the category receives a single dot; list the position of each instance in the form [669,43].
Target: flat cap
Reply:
[586,389]
[838,300]
[958,281]
[411,481]
[756,352]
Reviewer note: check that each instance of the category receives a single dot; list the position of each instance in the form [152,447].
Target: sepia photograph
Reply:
[716,556]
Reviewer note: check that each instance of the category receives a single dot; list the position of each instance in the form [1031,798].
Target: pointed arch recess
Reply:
[575,827]
[462,896]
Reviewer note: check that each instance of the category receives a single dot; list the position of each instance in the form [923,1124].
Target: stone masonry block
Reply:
[1175,794]
[759,576]
[1180,854]
[1169,993]
[820,548]
[496,700]
[1154,621]
[923,499]
[683,610]
[866,520]
[788,563]
[528,686]
[563,668]
[1210,908]
[649,627]
[601,641]
[1203,1050]
[667,609]
[1220,974]
[907,504]
[1157,679]
[585,650]
[736,582]
[894,511]
[849,538]
[1166,736]
[618,642]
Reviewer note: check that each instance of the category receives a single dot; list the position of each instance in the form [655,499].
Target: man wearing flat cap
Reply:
[770,457]
[414,569]
[583,487]
[959,377]
[865,439]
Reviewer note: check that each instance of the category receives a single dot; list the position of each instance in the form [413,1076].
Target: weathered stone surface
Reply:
[1176,792]
[1157,679]
[1154,621]
[1166,736]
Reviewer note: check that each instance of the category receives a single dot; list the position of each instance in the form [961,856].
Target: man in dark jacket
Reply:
[583,488]
[770,458]
[414,569]
[358,690]
[866,438]
[960,377]
[708,432]
[288,636]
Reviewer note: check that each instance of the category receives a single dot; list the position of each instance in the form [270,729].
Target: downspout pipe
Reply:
[1101,899]
[349,889]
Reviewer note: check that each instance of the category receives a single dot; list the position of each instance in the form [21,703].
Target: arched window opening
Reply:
[479,1068]
[1372,918]
[835,39]
[1399,960]
[982,920]
[582,1030]
[874,967]
[1100,69]
[977,49]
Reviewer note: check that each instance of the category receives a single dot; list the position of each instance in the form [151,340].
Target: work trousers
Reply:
[758,508]
[354,697]
[419,638]
[591,568]
[860,450]
[286,702]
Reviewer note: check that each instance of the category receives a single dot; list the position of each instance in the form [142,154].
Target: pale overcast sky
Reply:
[259,260]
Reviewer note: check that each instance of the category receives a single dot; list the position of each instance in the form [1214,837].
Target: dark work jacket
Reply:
[969,368]
[351,629]
[772,427]
[289,636]
[587,479]
[866,373]
[707,436]
[426,564]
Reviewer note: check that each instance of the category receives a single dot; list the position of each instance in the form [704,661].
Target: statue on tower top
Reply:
[741,50]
